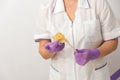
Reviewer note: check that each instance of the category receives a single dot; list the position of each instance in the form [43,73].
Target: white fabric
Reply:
[94,23]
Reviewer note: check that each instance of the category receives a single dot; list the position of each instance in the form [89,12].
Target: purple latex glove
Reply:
[55,46]
[85,55]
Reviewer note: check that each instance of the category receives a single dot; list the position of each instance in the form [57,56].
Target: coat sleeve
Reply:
[109,25]
[41,30]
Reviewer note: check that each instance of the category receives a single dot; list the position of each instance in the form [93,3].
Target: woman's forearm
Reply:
[43,52]
[108,47]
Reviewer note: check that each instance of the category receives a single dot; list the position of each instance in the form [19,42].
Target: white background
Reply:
[19,57]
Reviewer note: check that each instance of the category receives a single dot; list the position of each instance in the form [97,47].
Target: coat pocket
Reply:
[100,67]
[102,72]
[54,73]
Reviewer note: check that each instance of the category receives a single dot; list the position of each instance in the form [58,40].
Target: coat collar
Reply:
[59,5]
[83,3]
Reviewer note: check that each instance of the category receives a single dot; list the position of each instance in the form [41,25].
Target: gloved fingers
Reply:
[76,51]
[55,46]
[81,56]
[60,47]
[80,51]
[85,55]
[83,50]
[52,44]
[81,61]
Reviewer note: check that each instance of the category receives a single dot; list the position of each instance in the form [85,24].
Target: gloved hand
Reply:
[85,55]
[55,46]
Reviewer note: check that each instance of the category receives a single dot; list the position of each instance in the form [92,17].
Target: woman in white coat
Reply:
[90,27]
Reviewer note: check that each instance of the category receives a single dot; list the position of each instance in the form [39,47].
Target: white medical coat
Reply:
[94,23]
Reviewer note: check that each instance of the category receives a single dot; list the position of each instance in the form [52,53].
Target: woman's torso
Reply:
[83,32]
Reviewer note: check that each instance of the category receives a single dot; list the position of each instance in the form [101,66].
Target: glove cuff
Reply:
[95,53]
